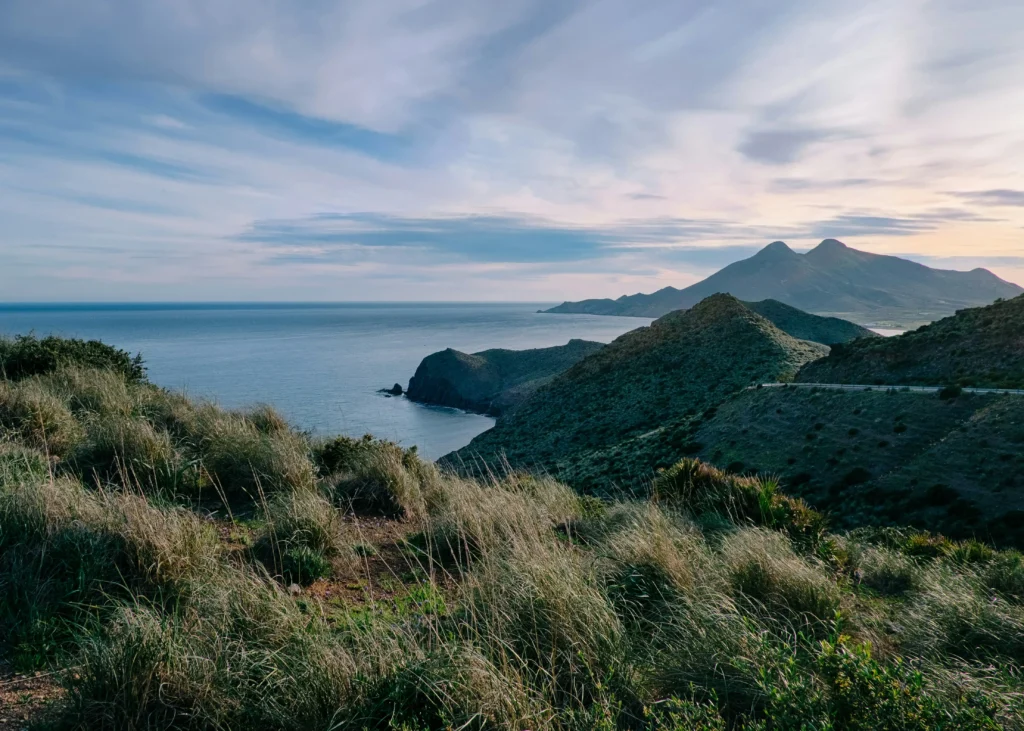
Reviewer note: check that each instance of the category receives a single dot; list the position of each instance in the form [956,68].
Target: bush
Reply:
[243,461]
[699,488]
[764,569]
[66,552]
[1005,575]
[951,617]
[27,355]
[33,415]
[304,537]
[130,452]
[887,572]
[852,691]
[377,477]
[950,392]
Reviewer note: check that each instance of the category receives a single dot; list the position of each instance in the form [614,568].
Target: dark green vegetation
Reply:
[980,347]
[149,545]
[495,381]
[805,326]
[27,355]
[659,378]
[492,381]
[882,457]
[830,279]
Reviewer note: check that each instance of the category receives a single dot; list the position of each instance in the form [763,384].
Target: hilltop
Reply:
[805,326]
[831,279]
[677,367]
[982,347]
[492,381]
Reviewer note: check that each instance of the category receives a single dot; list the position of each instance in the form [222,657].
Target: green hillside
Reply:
[882,457]
[805,326]
[167,564]
[672,370]
[981,347]
[492,381]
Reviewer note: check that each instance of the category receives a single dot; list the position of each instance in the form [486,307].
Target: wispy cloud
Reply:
[534,148]
[1001,197]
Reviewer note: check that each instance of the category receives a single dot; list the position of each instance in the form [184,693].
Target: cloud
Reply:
[490,239]
[854,224]
[998,197]
[779,147]
[349,142]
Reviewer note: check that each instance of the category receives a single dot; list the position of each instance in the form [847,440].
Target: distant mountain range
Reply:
[830,279]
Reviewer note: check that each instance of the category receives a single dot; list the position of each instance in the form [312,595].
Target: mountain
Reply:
[492,381]
[805,326]
[671,371]
[981,347]
[832,279]
[954,465]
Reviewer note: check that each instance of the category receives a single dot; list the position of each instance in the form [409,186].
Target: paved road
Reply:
[921,389]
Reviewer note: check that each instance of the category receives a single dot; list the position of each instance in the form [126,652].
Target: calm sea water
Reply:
[320,365]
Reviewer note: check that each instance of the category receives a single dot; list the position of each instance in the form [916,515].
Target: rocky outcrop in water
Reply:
[492,381]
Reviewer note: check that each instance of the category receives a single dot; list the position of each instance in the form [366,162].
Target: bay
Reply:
[319,364]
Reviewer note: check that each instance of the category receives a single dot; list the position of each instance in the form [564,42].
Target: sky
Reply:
[537,150]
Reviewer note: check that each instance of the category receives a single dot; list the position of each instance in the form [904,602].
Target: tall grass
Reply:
[719,603]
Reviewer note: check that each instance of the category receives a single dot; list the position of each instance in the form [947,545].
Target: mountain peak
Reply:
[830,245]
[776,249]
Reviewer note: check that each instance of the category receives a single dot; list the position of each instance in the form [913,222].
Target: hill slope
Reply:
[981,347]
[883,456]
[831,278]
[674,369]
[492,381]
[805,326]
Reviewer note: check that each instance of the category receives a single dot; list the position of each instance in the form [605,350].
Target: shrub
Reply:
[303,538]
[132,453]
[887,572]
[947,393]
[66,552]
[851,690]
[27,355]
[377,477]
[543,604]
[763,568]
[951,617]
[38,418]
[699,488]
[1005,575]
[242,460]
[466,517]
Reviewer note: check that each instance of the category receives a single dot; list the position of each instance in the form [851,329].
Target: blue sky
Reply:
[525,150]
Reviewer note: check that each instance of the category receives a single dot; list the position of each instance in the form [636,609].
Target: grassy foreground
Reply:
[182,566]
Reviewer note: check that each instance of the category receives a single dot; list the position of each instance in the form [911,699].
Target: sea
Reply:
[320,365]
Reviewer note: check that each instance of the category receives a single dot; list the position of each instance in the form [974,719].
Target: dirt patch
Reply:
[26,698]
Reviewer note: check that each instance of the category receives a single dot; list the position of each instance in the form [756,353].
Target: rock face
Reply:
[492,381]
[981,347]
[831,278]
[654,379]
[395,390]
